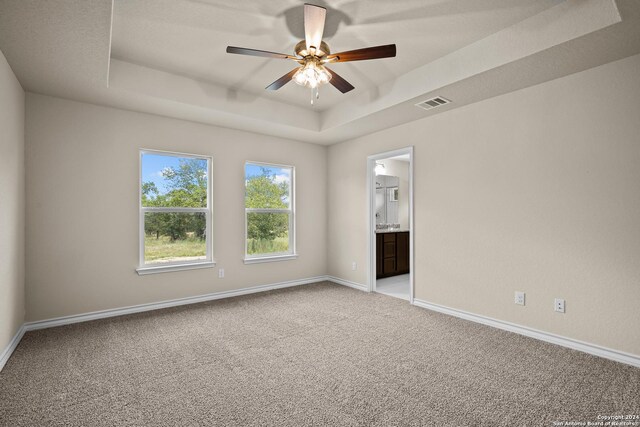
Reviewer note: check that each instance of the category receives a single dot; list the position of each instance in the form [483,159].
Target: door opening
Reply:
[390,197]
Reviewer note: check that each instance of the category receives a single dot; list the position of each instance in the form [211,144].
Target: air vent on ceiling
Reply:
[433,103]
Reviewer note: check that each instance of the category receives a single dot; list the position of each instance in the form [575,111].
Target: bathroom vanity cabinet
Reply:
[392,253]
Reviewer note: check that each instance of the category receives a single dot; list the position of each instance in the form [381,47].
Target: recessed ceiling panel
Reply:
[189,37]
[169,57]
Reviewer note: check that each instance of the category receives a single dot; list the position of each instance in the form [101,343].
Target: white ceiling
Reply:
[189,38]
[168,56]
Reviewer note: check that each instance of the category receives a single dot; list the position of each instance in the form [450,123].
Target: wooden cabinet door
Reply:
[389,267]
[379,257]
[389,248]
[392,254]
[402,253]
[389,251]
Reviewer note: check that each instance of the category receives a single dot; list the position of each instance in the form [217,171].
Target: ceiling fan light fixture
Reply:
[299,77]
[324,76]
[312,74]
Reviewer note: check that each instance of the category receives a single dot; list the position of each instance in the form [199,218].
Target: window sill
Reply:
[275,258]
[169,268]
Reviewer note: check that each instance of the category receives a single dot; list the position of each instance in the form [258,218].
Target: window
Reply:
[269,213]
[175,212]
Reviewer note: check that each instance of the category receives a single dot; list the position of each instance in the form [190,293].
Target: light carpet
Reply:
[318,354]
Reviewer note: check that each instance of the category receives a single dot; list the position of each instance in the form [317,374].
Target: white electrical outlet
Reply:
[354,266]
[220,273]
[519,298]
[558,305]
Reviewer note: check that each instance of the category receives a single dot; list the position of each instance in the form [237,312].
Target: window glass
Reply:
[174,236]
[267,233]
[267,186]
[268,210]
[173,181]
[174,212]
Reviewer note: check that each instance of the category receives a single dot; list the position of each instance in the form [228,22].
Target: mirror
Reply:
[387,199]
[393,194]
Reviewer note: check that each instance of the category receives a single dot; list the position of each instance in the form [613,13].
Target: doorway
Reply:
[390,221]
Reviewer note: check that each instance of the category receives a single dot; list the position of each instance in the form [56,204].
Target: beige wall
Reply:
[82,207]
[537,190]
[12,195]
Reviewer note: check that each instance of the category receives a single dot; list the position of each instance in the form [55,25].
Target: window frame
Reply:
[208,262]
[276,256]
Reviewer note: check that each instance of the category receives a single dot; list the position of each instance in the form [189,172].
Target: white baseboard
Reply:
[348,283]
[102,314]
[8,351]
[593,349]
[596,350]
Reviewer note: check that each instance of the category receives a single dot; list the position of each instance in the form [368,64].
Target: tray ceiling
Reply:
[168,56]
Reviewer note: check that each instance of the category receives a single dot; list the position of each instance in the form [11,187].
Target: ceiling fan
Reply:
[312,54]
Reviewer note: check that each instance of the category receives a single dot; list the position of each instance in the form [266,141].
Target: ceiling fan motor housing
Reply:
[301,49]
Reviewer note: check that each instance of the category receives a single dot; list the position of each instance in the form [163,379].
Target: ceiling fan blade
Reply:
[282,80]
[376,52]
[256,52]
[339,83]
[314,17]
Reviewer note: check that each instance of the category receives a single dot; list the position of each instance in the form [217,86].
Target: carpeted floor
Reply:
[319,354]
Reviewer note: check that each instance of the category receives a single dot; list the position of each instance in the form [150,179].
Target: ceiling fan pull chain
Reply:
[312,90]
